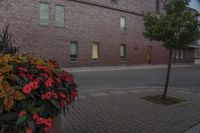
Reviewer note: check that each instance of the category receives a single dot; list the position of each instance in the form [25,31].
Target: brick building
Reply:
[86,32]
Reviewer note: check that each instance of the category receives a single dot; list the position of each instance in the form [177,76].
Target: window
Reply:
[122,52]
[197,53]
[44,14]
[123,24]
[179,54]
[114,1]
[95,51]
[59,16]
[157,6]
[73,51]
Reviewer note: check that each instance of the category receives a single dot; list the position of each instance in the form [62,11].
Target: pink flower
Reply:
[22,113]
[27,89]
[28,130]
[34,85]
[48,83]
[22,69]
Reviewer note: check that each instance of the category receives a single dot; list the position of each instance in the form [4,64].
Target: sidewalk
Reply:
[123,111]
[114,68]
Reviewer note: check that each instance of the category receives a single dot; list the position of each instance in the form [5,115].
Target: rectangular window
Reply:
[95,51]
[123,24]
[122,51]
[157,6]
[179,54]
[73,51]
[44,14]
[197,53]
[59,16]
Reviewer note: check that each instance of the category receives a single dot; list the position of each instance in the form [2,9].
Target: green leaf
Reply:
[21,119]
[31,123]
[55,103]
[25,79]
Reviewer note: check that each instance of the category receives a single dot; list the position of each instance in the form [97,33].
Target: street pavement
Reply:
[110,101]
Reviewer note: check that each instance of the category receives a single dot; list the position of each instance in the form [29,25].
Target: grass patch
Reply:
[158,100]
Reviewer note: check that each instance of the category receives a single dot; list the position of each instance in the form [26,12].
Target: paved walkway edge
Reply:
[195,129]
[114,68]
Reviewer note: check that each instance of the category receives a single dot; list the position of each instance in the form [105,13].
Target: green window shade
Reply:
[73,49]
[123,24]
[59,16]
[122,51]
[44,14]
[95,51]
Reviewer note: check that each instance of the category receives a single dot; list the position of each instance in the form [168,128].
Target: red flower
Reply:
[49,83]
[41,67]
[22,74]
[35,116]
[64,74]
[62,104]
[30,76]
[47,96]
[68,101]
[37,80]
[57,80]
[34,85]
[46,129]
[22,69]
[69,78]
[63,95]
[56,97]
[74,94]
[48,122]
[27,89]
[44,75]
[22,113]
[28,130]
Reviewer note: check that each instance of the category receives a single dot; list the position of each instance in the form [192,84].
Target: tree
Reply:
[177,27]
[6,46]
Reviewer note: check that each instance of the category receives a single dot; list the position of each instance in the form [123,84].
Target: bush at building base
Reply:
[32,92]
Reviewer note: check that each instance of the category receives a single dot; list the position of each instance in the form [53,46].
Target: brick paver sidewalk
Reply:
[123,111]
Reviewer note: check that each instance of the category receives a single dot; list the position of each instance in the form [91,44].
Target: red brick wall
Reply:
[85,24]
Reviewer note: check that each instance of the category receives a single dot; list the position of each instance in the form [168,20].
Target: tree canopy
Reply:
[177,26]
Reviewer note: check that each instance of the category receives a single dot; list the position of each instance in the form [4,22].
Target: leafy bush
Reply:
[32,92]
[6,46]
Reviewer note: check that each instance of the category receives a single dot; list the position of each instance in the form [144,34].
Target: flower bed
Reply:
[32,92]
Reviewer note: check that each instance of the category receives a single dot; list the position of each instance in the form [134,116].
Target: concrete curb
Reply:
[115,68]
[195,129]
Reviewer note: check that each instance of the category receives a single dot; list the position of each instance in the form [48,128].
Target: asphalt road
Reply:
[187,77]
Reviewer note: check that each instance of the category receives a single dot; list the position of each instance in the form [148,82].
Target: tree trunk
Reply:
[164,96]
